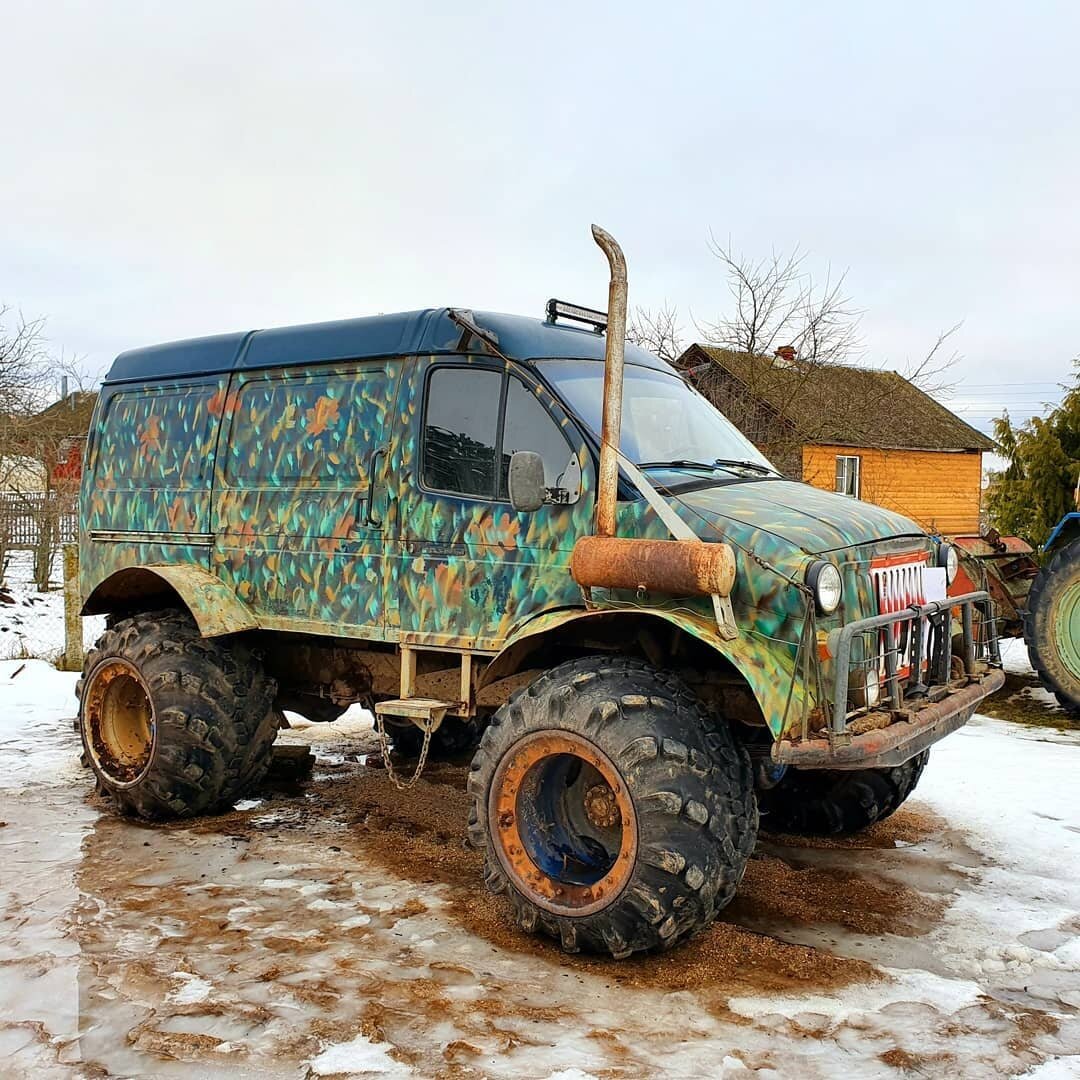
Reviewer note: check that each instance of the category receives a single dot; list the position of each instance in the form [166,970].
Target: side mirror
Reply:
[525,479]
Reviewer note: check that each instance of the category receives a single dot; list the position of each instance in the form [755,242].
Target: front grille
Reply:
[897,584]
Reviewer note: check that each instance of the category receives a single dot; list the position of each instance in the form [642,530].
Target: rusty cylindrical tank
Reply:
[673,567]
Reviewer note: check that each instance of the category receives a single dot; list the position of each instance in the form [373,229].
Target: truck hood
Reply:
[809,519]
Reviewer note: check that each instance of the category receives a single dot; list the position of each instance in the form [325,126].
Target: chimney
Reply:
[786,355]
[63,387]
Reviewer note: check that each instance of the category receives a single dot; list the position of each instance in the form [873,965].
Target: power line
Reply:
[990,386]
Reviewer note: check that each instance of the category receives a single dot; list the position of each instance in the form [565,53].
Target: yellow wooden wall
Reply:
[939,490]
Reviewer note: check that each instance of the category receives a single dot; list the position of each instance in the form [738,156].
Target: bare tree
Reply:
[33,441]
[797,345]
[24,382]
[658,332]
[777,302]
[930,373]
[781,311]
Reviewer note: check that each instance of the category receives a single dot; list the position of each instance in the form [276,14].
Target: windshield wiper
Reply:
[754,465]
[678,463]
[709,466]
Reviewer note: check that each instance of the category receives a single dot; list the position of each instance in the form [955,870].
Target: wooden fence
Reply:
[24,516]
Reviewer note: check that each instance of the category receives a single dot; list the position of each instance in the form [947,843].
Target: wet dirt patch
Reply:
[909,825]
[419,835]
[915,1064]
[1024,700]
[341,911]
[381,971]
[775,889]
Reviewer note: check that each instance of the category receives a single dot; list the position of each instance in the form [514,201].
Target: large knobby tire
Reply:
[819,802]
[613,809]
[173,724]
[1052,625]
[257,758]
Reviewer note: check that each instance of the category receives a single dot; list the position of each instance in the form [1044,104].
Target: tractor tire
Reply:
[451,738]
[174,725]
[820,802]
[1052,625]
[611,808]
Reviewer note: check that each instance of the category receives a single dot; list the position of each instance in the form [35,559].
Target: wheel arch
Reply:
[216,609]
[655,634]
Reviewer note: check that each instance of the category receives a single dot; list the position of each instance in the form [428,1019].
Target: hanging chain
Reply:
[428,727]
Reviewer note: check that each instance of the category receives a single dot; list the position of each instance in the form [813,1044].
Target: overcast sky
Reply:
[177,169]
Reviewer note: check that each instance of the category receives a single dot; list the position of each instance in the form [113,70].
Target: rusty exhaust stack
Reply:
[683,566]
[611,423]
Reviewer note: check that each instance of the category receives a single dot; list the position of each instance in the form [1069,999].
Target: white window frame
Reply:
[849,468]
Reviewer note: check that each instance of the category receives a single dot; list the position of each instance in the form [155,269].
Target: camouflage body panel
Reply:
[297,546]
[464,572]
[317,521]
[767,669]
[775,537]
[390,562]
[292,532]
[145,497]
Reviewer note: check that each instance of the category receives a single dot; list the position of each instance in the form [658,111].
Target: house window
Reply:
[847,475]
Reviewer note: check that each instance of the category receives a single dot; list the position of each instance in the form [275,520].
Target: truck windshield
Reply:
[665,423]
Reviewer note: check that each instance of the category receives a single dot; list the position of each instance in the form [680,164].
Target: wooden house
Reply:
[864,432]
[43,451]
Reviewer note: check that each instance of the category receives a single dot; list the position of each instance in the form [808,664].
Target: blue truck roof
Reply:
[409,333]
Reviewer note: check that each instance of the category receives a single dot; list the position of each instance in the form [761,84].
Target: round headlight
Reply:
[827,586]
[950,559]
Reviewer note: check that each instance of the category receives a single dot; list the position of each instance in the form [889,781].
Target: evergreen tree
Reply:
[1037,486]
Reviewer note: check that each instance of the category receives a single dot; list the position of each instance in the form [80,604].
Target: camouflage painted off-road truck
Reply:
[506,531]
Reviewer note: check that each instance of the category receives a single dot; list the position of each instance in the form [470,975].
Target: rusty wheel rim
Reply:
[563,823]
[118,722]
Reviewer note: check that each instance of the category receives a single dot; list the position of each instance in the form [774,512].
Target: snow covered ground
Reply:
[33,624]
[338,928]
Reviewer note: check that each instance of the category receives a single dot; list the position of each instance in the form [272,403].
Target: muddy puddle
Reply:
[1024,700]
[337,926]
[418,835]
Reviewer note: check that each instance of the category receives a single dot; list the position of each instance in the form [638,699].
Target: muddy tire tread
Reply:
[214,715]
[692,788]
[822,803]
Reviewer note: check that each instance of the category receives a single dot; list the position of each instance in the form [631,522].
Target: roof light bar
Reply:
[560,309]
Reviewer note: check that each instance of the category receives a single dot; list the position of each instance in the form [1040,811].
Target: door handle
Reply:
[369,517]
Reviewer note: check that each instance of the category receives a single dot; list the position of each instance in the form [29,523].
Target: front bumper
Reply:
[910,718]
[885,747]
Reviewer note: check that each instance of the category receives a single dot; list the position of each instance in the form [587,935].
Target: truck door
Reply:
[467,566]
[146,490]
[298,529]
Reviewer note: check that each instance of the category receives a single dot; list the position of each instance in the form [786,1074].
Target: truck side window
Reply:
[313,431]
[461,426]
[529,426]
[160,438]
